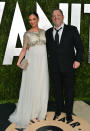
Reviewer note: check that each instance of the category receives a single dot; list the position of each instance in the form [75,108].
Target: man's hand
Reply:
[76,64]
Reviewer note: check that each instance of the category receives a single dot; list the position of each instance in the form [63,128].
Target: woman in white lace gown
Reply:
[34,91]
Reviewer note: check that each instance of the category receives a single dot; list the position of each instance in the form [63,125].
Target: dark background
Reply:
[10,75]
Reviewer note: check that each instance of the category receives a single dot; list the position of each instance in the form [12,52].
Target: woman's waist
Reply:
[37,44]
[38,49]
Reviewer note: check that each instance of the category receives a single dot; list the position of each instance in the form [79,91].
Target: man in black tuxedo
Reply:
[61,42]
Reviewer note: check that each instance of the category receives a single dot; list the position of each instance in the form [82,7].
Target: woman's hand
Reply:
[19,65]
[27,47]
[22,54]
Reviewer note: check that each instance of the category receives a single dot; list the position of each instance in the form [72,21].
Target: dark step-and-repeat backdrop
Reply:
[14,22]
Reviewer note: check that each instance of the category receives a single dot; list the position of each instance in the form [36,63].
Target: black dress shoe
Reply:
[33,121]
[56,115]
[69,118]
[20,129]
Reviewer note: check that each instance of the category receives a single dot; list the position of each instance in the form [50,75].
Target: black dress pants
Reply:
[63,82]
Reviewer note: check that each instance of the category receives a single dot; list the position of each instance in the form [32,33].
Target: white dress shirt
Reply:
[59,32]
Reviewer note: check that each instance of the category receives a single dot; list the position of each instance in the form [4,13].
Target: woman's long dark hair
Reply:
[34,13]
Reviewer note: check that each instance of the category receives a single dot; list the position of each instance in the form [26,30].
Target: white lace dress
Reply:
[34,91]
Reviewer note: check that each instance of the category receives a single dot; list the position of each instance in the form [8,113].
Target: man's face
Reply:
[57,18]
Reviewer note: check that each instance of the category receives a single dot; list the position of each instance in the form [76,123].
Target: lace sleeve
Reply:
[25,41]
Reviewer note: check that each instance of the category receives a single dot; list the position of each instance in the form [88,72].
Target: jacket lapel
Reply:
[63,34]
[62,37]
[52,35]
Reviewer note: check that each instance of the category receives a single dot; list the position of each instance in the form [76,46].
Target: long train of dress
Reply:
[34,91]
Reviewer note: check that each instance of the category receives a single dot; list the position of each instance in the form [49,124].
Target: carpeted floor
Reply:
[81,109]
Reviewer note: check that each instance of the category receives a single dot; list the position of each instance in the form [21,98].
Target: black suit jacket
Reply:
[64,54]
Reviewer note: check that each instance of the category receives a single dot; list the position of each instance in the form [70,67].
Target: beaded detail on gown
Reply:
[34,91]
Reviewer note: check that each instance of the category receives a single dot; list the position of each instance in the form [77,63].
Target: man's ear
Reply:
[63,17]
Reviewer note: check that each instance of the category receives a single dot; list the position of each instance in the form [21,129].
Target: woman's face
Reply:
[33,20]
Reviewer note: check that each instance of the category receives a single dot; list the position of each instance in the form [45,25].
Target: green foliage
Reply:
[10,75]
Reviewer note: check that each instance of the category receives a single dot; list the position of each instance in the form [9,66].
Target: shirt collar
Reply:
[62,25]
